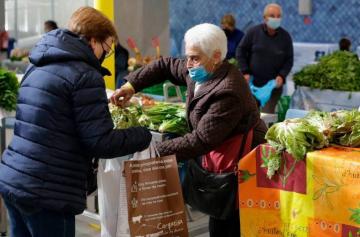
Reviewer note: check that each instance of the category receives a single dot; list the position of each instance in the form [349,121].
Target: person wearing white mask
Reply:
[266,53]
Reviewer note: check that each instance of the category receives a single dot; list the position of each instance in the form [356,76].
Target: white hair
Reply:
[272,5]
[208,38]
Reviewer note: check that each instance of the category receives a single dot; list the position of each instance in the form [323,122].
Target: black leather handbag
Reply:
[212,193]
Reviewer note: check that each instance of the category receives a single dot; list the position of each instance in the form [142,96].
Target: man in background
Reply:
[266,53]
[233,34]
[345,44]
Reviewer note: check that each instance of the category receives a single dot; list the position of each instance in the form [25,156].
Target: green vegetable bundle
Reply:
[125,118]
[166,117]
[296,136]
[162,117]
[9,87]
[337,71]
[315,131]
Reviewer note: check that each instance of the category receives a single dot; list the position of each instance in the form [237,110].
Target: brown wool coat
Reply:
[222,107]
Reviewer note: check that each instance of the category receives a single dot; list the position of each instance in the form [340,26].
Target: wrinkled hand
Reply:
[279,81]
[122,96]
[247,77]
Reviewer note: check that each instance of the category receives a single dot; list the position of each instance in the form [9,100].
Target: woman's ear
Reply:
[217,56]
[93,43]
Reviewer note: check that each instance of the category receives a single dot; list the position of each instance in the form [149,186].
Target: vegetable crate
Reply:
[158,90]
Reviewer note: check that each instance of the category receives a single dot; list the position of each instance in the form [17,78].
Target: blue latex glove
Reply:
[262,94]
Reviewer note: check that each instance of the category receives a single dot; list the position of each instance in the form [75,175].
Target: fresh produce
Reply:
[9,87]
[337,71]
[125,118]
[162,117]
[175,125]
[147,100]
[296,136]
[167,118]
[346,128]
[315,131]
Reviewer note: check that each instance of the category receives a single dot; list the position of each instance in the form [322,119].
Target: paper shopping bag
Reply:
[155,201]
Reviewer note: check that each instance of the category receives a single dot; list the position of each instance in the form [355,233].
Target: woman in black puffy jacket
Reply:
[62,122]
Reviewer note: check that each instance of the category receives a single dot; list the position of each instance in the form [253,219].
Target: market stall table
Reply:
[16,66]
[319,197]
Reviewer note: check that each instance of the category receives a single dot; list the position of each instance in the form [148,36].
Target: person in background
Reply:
[4,40]
[219,104]
[266,53]
[50,25]
[233,34]
[345,44]
[4,44]
[121,64]
[62,123]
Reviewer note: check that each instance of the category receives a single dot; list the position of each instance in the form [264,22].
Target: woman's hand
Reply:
[247,77]
[279,81]
[122,96]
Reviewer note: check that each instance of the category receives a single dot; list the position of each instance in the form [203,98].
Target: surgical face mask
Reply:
[199,74]
[273,23]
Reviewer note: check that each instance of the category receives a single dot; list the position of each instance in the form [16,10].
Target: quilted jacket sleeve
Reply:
[94,124]
[157,72]
[213,128]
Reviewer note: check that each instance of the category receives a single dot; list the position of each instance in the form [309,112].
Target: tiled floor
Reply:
[197,228]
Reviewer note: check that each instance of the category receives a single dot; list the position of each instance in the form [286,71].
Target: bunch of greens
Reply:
[125,117]
[9,87]
[296,136]
[337,71]
[162,117]
[165,117]
[323,121]
[177,125]
[346,127]
[315,131]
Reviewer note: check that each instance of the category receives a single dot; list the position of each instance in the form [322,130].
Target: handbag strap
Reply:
[247,140]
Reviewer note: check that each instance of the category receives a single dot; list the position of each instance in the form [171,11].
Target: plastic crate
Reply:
[158,90]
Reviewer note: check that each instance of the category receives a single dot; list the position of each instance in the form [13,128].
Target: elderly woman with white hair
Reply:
[220,109]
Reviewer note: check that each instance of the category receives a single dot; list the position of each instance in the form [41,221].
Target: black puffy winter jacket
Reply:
[62,121]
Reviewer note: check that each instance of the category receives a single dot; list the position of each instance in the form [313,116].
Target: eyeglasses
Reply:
[108,53]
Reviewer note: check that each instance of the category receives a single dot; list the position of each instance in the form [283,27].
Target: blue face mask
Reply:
[273,23]
[199,74]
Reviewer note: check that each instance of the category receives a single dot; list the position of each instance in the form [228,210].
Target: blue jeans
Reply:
[31,221]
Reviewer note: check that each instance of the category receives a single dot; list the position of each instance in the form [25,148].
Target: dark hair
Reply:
[344,44]
[91,23]
[51,24]
[229,20]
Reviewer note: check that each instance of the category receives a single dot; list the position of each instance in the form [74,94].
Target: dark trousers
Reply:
[225,228]
[30,221]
